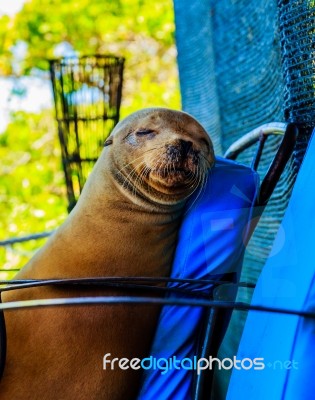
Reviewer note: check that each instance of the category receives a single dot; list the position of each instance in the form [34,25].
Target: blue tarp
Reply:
[211,241]
[285,343]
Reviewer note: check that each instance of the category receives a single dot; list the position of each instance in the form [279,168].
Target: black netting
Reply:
[297,27]
[255,61]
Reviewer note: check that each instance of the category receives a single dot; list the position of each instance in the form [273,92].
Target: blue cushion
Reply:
[211,241]
[286,343]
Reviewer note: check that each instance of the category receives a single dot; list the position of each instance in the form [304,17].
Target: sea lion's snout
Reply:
[178,166]
[185,145]
[181,156]
[178,151]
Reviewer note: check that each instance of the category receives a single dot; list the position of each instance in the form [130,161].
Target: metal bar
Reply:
[273,128]
[203,381]
[278,164]
[22,239]
[99,300]
[262,140]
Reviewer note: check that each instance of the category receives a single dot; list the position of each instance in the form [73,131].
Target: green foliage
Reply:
[30,171]
[32,190]
[97,26]
[142,31]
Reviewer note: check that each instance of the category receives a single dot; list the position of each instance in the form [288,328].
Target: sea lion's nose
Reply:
[186,145]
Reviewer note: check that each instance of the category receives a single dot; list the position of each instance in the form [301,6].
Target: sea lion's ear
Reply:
[108,142]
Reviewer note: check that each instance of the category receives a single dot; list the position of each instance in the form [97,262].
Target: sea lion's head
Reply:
[160,155]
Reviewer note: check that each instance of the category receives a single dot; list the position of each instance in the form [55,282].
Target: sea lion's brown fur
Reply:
[125,224]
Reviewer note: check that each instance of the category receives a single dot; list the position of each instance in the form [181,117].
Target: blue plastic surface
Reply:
[211,241]
[286,343]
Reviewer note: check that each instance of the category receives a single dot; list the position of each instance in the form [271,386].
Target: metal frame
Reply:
[285,150]
[79,83]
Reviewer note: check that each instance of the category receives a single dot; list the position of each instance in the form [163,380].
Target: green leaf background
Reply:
[32,189]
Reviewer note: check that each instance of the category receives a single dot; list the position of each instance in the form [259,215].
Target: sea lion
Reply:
[124,224]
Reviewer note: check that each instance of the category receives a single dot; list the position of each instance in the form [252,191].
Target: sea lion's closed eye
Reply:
[143,132]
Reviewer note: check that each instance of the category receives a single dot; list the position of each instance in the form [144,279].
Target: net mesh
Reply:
[255,61]
[297,34]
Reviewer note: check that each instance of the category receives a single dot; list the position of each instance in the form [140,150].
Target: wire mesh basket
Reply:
[87,94]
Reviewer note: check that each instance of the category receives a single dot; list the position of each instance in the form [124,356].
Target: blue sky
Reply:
[10,7]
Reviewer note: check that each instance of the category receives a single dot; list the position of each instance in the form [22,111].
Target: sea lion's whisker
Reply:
[129,176]
[139,178]
[201,184]
[158,163]
[130,163]
[145,172]
[205,159]
[141,156]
